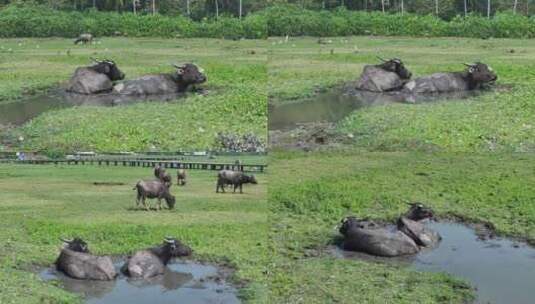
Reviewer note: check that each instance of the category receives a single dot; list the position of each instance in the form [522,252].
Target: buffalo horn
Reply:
[65,240]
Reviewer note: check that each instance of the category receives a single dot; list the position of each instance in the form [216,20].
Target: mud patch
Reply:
[500,269]
[20,111]
[108,184]
[309,137]
[183,282]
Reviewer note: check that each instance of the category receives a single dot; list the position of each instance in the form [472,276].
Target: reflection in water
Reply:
[336,104]
[184,282]
[503,271]
[17,113]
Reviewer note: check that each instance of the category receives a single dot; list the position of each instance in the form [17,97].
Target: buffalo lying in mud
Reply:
[474,77]
[76,262]
[406,238]
[388,76]
[181,177]
[186,75]
[154,189]
[163,175]
[151,262]
[84,38]
[235,178]
[94,79]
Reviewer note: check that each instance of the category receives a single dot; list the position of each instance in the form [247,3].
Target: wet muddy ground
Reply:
[21,111]
[501,270]
[309,123]
[183,282]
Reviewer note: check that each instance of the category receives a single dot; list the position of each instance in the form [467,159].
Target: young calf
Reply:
[387,76]
[235,178]
[95,79]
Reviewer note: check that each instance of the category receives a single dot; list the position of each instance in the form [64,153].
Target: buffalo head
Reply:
[481,73]
[418,211]
[76,244]
[351,222]
[190,74]
[171,201]
[395,65]
[109,68]
[252,179]
[175,248]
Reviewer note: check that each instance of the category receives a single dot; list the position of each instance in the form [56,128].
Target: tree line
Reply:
[198,9]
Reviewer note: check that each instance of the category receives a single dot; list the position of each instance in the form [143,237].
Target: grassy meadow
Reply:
[496,122]
[310,193]
[236,101]
[38,204]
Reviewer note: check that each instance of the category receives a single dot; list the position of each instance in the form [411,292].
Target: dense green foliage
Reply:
[41,21]
[310,192]
[280,20]
[38,204]
[293,21]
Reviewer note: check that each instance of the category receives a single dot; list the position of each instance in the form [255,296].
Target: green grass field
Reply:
[236,102]
[494,122]
[310,193]
[38,204]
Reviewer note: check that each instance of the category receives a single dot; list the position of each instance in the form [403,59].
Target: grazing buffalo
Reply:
[151,262]
[387,76]
[154,189]
[76,262]
[235,178]
[474,77]
[406,238]
[97,78]
[163,176]
[185,76]
[84,38]
[181,177]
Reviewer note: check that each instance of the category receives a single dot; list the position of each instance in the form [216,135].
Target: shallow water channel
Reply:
[20,111]
[502,270]
[183,282]
[338,103]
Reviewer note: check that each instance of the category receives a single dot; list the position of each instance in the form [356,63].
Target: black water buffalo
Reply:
[84,38]
[76,262]
[235,178]
[186,75]
[151,262]
[163,175]
[97,78]
[387,76]
[181,177]
[404,239]
[154,189]
[474,77]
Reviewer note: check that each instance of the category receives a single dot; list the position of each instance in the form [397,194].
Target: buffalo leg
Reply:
[241,188]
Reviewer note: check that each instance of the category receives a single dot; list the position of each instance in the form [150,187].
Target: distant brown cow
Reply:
[235,178]
[181,177]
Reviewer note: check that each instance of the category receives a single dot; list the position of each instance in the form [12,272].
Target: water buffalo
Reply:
[235,178]
[94,79]
[185,76]
[181,177]
[404,239]
[76,262]
[151,262]
[154,189]
[84,38]
[474,77]
[387,76]
[163,175]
